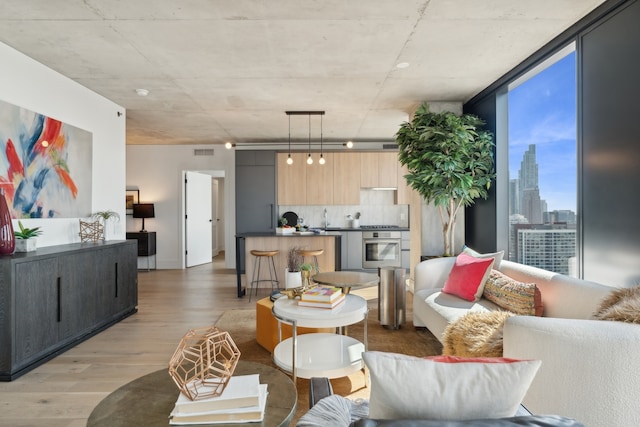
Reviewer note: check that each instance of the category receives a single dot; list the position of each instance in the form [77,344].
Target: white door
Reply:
[215,216]
[198,218]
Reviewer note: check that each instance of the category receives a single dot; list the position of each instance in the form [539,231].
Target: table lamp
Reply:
[143,210]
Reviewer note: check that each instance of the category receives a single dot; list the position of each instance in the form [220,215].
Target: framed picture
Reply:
[132,197]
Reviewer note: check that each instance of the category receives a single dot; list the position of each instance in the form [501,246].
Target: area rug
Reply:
[241,325]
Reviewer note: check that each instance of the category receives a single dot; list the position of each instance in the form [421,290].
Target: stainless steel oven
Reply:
[381,249]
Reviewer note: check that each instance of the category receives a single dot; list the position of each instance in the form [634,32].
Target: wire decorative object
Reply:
[91,231]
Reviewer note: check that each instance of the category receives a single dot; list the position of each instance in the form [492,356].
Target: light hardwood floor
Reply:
[64,391]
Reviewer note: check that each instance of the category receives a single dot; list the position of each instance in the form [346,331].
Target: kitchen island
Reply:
[328,261]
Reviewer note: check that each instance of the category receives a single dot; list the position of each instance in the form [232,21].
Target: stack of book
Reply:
[242,401]
[322,297]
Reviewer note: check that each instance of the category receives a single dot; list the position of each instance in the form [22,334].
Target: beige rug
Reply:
[241,325]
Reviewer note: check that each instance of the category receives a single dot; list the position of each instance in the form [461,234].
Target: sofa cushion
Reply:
[467,277]
[512,295]
[497,256]
[522,421]
[621,305]
[446,387]
[475,334]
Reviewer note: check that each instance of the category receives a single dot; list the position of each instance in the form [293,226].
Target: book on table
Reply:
[246,414]
[241,391]
[321,294]
[319,304]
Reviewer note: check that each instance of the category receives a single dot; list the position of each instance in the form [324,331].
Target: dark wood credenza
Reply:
[58,296]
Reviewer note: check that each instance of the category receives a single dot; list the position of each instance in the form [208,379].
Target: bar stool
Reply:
[311,253]
[271,266]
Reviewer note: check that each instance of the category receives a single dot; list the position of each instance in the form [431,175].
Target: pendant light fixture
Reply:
[321,161]
[309,158]
[289,159]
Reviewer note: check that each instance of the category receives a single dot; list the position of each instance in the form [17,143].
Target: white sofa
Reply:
[590,368]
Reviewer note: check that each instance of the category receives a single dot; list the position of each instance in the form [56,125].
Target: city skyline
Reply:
[542,112]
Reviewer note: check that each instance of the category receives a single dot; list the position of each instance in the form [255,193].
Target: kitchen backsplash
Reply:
[377,207]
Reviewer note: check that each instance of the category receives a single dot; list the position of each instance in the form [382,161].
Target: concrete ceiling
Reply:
[222,71]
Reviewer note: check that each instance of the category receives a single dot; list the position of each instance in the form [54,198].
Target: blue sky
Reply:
[542,111]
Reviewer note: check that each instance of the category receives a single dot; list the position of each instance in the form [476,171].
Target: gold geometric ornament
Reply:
[203,362]
[91,231]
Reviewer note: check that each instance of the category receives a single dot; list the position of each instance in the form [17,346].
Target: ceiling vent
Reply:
[203,152]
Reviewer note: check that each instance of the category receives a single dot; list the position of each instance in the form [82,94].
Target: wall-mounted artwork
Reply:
[131,198]
[45,165]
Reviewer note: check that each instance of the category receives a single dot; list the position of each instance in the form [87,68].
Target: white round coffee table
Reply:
[320,354]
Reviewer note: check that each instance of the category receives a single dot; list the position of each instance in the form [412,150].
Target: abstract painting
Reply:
[45,165]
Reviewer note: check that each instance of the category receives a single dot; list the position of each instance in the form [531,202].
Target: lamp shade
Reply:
[143,210]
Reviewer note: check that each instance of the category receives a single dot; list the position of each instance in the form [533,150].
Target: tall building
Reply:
[529,193]
[551,246]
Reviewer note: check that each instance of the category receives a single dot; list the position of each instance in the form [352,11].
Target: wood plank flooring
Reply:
[64,391]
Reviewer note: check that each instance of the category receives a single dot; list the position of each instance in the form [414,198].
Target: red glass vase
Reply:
[7,238]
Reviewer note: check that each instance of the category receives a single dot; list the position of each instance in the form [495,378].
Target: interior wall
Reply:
[156,171]
[29,84]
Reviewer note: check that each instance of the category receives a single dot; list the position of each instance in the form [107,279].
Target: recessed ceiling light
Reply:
[142,92]
[402,65]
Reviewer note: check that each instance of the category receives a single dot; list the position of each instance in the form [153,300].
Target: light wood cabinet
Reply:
[403,194]
[320,181]
[346,178]
[379,170]
[292,179]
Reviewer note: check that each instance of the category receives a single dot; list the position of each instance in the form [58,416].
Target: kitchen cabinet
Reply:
[304,184]
[292,179]
[352,250]
[320,181]
[379,170]
[403,194]
[346,178]
[58,296]
[256,209]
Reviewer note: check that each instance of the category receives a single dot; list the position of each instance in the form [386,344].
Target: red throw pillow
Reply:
[468,276]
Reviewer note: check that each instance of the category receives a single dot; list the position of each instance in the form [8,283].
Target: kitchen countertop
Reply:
[274,234]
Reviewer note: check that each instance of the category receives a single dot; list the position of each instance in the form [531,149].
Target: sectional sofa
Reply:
[589,367]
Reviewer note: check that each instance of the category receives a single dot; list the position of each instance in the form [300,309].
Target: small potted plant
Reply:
[292,277]
[26,238]
[305,273]
[105,216]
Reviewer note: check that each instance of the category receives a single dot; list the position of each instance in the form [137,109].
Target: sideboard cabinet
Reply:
[58,296]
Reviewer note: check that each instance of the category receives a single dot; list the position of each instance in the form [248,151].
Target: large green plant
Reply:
[449,160]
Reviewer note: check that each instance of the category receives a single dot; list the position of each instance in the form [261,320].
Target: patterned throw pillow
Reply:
[509,294]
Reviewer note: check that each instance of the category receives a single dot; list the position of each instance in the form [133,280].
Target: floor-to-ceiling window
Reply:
[542,158]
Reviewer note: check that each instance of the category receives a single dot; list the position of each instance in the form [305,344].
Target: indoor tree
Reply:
[449,161]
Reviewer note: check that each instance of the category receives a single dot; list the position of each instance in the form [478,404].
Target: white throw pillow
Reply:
[497,256]
[446,387]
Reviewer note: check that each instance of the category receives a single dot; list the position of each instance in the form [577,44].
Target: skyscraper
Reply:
[529,193]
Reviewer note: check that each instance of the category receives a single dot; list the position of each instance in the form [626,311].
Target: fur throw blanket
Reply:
[476,334]
[622,305]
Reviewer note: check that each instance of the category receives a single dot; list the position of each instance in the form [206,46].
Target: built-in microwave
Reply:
[381,249]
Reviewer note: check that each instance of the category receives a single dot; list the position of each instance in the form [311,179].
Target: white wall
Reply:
[156,170]
[29,84]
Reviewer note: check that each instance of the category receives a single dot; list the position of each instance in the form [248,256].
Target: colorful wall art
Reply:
[45,165]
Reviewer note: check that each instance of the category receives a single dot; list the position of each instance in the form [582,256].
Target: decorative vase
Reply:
[7,237]
[292,279]
[306,276]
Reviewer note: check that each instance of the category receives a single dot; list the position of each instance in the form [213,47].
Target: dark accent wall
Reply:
[480,218]
[610,94]
[608,42]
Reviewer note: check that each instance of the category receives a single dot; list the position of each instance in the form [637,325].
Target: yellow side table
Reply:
[267,326]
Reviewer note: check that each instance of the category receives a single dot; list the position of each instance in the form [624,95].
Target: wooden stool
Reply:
[312,253]
[271,266]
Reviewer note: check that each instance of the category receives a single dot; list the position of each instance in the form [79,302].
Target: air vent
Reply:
[389,146]
[203,152]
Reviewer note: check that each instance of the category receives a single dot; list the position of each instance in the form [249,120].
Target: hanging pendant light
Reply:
[309,158]
[289,159]
[321,161]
